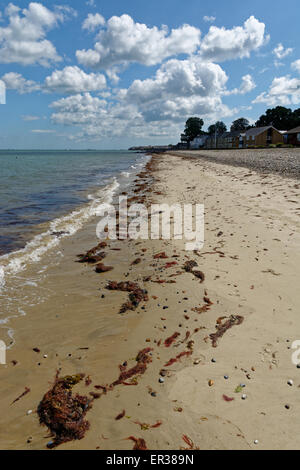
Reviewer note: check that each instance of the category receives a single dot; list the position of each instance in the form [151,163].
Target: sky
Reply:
[113,74]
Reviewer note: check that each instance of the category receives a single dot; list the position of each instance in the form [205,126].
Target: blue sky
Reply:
[99,74]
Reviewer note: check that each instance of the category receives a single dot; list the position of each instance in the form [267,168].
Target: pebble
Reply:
[45,356]
[256,442]
[226,377]
[213,360]
[287,407]
[211,383]
[290,382]
[244,396]
[29,412]
[153,394]
[243,385]
[161,380]
[29,440]
[298,366]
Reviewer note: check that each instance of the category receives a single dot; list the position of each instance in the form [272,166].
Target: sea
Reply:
[46,196]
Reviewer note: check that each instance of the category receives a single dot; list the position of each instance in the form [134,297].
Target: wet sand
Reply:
[251,264]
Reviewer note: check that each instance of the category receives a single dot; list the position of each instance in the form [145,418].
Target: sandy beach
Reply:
[216,368]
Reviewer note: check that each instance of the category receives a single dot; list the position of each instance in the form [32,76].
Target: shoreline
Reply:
[244,266]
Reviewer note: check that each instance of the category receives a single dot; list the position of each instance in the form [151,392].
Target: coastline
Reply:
[250,270]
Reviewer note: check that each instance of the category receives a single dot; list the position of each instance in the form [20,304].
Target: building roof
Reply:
[294,131]
[257,130]
[230,134]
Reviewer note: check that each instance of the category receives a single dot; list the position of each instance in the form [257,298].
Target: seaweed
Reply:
[120,415]
[143,358]
[136,294]
[189,442]
[161,255]
[189,265]
[200,275]
[223,327]
[226,398]
[102,268]
[170,264]
[146,426]
[171,339]
[177,358]
[139,443]
[63,413]
[93,255]
[202,309]
[27,390]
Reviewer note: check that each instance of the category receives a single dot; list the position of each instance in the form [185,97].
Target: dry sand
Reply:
[251,263]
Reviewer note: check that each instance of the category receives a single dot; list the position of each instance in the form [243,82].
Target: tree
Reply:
[218,128]
[240,124]
[280,117]
[193,127]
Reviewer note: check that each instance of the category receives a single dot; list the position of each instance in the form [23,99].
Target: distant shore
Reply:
[218,357]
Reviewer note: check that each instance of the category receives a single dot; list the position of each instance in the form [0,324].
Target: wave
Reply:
[62,227]
[59,228]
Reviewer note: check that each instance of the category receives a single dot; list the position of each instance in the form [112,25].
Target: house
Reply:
[198,142]
[293,136]
[229,140]
[262,136]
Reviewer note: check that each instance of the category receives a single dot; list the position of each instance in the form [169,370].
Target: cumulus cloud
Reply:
[246,86]
[178,89]
[93,21]
[209,19]
[283,91]
[23,39]
[124,41]
[280,52]
[156,106]
[15,81]
[222,44]
[74,80]
[69,80]
[296,65]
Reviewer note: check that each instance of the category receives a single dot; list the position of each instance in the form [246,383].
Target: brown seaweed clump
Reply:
[63,413]
[136,294]
[93,255]
[189,268]
[142,359]
[221,328]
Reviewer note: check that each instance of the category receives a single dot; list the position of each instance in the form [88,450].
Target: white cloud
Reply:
[209,19]
[225,44]
[296,65]
[280,52]
[283,91]
[154,107]
[124,41]
[74,80]
[180,88]
[15,81]
[93,21]
[43,131]
[29,118]
[23,39]
[78,109]
[246,86]
[91,3]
